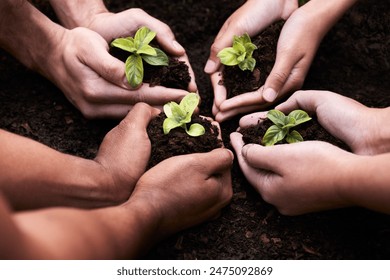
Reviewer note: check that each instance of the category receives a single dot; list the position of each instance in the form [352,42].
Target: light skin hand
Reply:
[293,59]
[186,190]
[360,127]
[95,16]
[252,18]
[284,175]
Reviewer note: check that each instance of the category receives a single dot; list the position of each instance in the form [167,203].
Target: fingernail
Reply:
[177,46]
[269,95]
[210,65]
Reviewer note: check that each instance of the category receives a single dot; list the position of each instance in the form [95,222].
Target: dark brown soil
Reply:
[237,81]
[353,60]
[174,75]
[178,142]
[311,130]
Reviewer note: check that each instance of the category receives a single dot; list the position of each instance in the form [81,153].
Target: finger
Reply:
[244,100]
[223,39]
[252,119]
[104,92]
[305,100]
[217,161]
[278,77]
[251,174]
[192,87]
[223,116]
[139,116]
[220,93]
[266,158]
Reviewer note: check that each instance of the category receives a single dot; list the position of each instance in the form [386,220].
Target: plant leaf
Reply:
[147,50]
[143,37]
[167,110]
[169,124]
[300,116]
[249,48]
[228,56]
[277,117]
[159,59]
[248,64]
[134,70]
[294,137]
[189,103]
[273,135]
[126,44]
[196,130]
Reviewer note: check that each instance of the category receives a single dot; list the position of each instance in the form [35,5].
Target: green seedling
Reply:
[240,54]
[282,125]
[179,115]
[140,51]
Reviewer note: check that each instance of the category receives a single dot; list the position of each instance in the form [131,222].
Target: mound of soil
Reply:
[237,81]
[178,142]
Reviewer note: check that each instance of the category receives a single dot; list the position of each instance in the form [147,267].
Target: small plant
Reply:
[140,51]
[178,115]
[240,54]
[282,126]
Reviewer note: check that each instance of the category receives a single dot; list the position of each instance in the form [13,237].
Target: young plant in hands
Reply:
[239,54]
[178,115]
[282,125]
[140,51]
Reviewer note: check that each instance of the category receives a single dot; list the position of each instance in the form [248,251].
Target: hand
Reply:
[94,81]
[291,177]
[360,127]
[125,150]
[251,18]
[111,26]
[186,190]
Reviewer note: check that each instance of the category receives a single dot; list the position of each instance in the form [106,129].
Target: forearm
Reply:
[33,175]
[367,182]
[63,233]
[26,33]
[78,13]
[325,14]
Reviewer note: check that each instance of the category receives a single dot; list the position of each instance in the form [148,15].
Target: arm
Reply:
[34,175]
[163,202]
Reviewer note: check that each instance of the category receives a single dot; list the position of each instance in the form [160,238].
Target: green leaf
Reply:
[177,112]
[248,64]
[241,58]
[147,50]
[134,70]
[169,124]
[294,137]
[196,130]
[167,110]
[143,37]
[249,48]
[300,116]
[277,117]
[126,44]
[228,56]
[239,47]
[189,103]
[273,135]
[160,59]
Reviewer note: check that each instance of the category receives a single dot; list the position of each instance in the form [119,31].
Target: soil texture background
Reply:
[353,60]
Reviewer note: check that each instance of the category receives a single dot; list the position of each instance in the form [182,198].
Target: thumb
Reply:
[260,157]
[277,79]
[216,161]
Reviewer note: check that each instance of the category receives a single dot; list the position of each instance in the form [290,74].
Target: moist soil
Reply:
[311,130]
[237,81]
[353,60]
[178,142]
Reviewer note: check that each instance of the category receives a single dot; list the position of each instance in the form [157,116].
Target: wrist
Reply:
[77,13]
